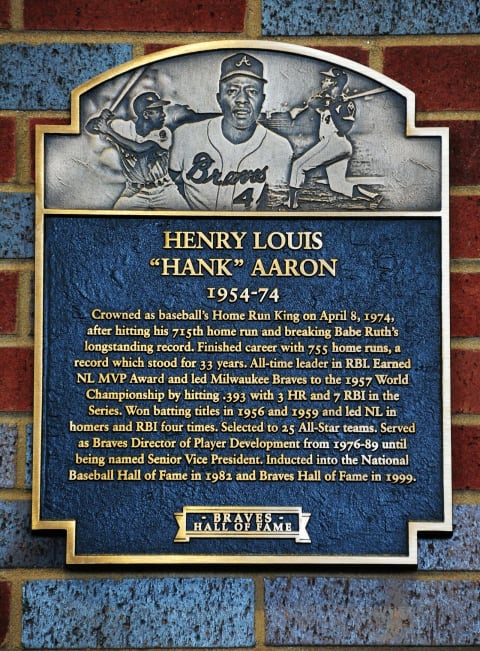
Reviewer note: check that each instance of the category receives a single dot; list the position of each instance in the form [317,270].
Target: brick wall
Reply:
[47,47]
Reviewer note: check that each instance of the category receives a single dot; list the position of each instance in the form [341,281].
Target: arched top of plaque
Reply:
[235,126]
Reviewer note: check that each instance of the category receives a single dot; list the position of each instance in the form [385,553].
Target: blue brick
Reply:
[16,225]
[461,550]
[40,77]
[29,456]
[138,613]
[362,17]
[19,546]
[343,611]
[8,454]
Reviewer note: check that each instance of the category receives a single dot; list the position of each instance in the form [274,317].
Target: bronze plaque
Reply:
[242,313]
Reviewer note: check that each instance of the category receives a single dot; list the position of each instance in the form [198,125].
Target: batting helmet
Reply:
[147,100]
[339,75]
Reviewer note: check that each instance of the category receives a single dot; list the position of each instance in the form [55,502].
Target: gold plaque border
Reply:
[69,526]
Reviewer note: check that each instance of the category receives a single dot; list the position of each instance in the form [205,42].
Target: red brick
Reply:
[443,78]
[32,124]
[465,381]
[155,47]
[464,149]
[357,54]
[136,15]
[5,596]
[7,147]
[8,302]
[465,227]
[465,304]
[4,14]
[466,457]
[16,379]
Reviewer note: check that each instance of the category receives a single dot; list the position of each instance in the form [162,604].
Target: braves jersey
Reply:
[147,167]
[338,118]
[333,149]
[220,175]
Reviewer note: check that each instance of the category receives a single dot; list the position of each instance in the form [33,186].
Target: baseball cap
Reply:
[242,64]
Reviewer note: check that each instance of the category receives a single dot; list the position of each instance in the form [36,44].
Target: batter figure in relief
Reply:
[334,149]
[143,146]
[229,162]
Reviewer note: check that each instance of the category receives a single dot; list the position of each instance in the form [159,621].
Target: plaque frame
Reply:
[42,211]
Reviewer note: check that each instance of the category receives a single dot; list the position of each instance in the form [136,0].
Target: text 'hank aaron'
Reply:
[288,267]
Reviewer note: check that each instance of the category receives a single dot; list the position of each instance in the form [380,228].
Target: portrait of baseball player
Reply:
[231,161]
[334,148]
[143,146]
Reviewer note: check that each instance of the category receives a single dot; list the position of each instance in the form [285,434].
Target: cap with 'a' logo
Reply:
[242,64]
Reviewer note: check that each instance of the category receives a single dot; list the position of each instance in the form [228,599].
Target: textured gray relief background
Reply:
[82,172]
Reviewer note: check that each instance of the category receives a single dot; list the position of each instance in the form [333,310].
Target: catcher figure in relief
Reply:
[334,149]
[143,146]
[229,162]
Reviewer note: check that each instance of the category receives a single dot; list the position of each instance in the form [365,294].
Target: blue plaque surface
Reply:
[243,314]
